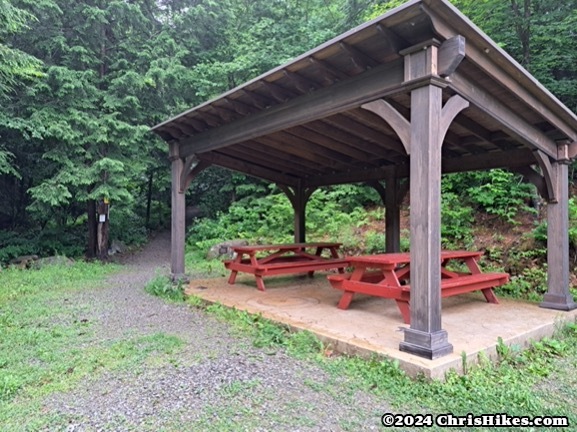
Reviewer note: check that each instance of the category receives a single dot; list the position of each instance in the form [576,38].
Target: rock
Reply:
[52,260]
[24,261]
[116,247]
[224,249]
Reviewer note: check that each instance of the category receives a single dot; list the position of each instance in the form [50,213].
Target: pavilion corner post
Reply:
[558,295]
[177,216]
[425,337]
[425,65]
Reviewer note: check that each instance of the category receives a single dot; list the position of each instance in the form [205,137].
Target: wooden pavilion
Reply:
[412,94]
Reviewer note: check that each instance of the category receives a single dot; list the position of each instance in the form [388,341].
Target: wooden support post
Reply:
[300,219]
[425,337]
[392,215]
[429,123]
[391,195]
[558,295]
[298,197]
[178,216]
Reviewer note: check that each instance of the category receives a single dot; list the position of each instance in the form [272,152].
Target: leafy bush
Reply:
[46,242]
[374,242]
[530,284]
[162,286]
[540,231]
[127,227]
[269,219]
[496,192]
[457,219]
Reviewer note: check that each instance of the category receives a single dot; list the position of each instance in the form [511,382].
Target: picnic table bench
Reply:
[283,259]
[388,276]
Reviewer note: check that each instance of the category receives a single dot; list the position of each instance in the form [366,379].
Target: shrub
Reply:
[457,218]
[496,192]
[374,242]
[162,286]
[540,231]
[530,284]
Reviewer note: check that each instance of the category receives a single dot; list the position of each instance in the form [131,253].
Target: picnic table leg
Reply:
[490,296]
[259,282]
[473,265]
[405,310]
[317,253]
[232,278]
[345,300]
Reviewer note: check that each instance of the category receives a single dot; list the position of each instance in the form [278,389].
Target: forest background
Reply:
[82,82]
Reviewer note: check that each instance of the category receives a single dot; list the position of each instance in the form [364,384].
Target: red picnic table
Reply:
[388,276]
[283,259]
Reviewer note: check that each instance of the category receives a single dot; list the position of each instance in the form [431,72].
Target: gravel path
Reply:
[215,381]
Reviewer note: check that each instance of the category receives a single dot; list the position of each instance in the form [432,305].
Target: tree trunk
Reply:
[103,228]
[91,209]
[523,28]
[149,199]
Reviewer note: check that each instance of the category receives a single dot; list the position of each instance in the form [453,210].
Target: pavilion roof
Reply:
[302,123]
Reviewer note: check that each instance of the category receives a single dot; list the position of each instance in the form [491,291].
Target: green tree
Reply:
[16,68]
[85,121]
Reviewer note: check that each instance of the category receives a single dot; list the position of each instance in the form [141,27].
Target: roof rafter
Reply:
[344,95]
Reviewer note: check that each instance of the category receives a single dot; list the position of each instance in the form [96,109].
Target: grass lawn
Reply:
[47,346]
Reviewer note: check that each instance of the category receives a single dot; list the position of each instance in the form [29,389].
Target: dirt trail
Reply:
[216,381]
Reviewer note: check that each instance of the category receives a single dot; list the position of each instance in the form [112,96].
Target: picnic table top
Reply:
[405,257]
[287,246]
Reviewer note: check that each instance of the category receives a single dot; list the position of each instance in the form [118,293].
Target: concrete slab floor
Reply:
[374,325]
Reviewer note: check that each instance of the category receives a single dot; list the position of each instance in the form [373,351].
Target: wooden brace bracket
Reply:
[388,113]
[533,177]
[452,108]
[293,195]
[402,189]
[189,172]
[549,175]
[402,126]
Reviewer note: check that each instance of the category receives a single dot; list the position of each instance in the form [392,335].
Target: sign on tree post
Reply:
[103,211]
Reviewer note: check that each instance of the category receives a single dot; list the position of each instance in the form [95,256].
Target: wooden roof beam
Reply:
[503,69]
[239,107]
[265,159]
[327,142]
[257,147]
[339,135]
[279,93]
[301,83]
[300,152]
[511,121]
[344,95]
[225,114]
[513,159]
[248,168]
[394,41]
[256,99]
[356,128]
[209,118]
[327,70]
[287,137]
[359,59]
